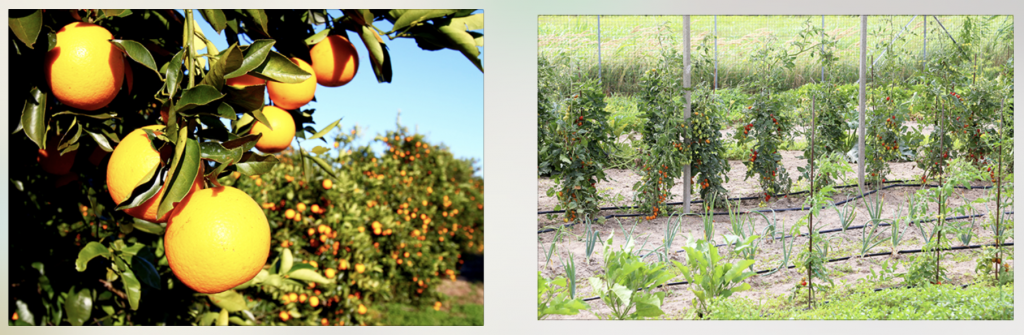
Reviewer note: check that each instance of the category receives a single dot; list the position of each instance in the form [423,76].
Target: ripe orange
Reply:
[84,70]
[360,268]
[284,316]
[328,184]
[315,208]
[245,80]
[361,309]
[281,137]
[289,214]
[300,207]
[314,301]
[216,239]
[302,298]
[329,273]
[293,96]
[52,161]
[293,297]
[131,161]
[335,61]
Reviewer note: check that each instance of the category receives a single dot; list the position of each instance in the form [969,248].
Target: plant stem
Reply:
[190,58]
[810,224]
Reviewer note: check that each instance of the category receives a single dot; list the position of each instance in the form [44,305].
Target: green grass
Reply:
[632,44]
[459,315]
[941,302]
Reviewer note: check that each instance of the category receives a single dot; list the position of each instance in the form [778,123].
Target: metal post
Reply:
[599,49]
[863,97]
[686,109]
[822,47]
[716,52]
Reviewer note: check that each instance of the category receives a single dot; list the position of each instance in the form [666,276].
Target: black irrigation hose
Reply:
[801,208]
[699,201]
[900,252]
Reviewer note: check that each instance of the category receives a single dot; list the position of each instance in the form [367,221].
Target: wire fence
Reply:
[618,49]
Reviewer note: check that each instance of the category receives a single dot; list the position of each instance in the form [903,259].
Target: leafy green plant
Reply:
[663,157]
[709,276]
[591,238]
[991,261]
[627,283]
[870,234]
[846,215]
[671,230]
[921,270]
[552,298]
[829,169]
[705,145]
[579,151]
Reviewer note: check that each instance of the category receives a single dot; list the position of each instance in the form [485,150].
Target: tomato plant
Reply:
[662,157]
[707,152]
[580,152]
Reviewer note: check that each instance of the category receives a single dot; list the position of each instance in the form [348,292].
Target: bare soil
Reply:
[650,234]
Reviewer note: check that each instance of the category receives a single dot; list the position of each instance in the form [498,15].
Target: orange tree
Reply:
[89,78]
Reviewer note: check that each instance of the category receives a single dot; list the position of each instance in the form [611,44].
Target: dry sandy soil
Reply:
[960,264]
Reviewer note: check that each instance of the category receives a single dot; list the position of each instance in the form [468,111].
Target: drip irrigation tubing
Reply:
[900,252]
[897,183]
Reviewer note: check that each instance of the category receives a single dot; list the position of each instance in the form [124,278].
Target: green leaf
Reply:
[318,150]
[316,38]
[90,251]
[26,28]
[472,22]
[208,318]
[132,288]
[323,165]
[253,163]
[623,293]
[463,42]
[325,130]
[648,306]
[200,95]
[138,53]
[228,61]
[182,175]
[147,227]
[174,73]
[279,68]
[378,54]
[215,17]
[229,300]
[246,99]
[222,318]
[259,17]
[255,55]
[414,16]
[218,153]
[25,314]
[78,306]
[239,321]
[308,275]
[286,261]
[117,12]
[33,117]
[259,278]
[146,272]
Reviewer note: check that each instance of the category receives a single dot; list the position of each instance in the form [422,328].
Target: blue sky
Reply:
[439,94]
